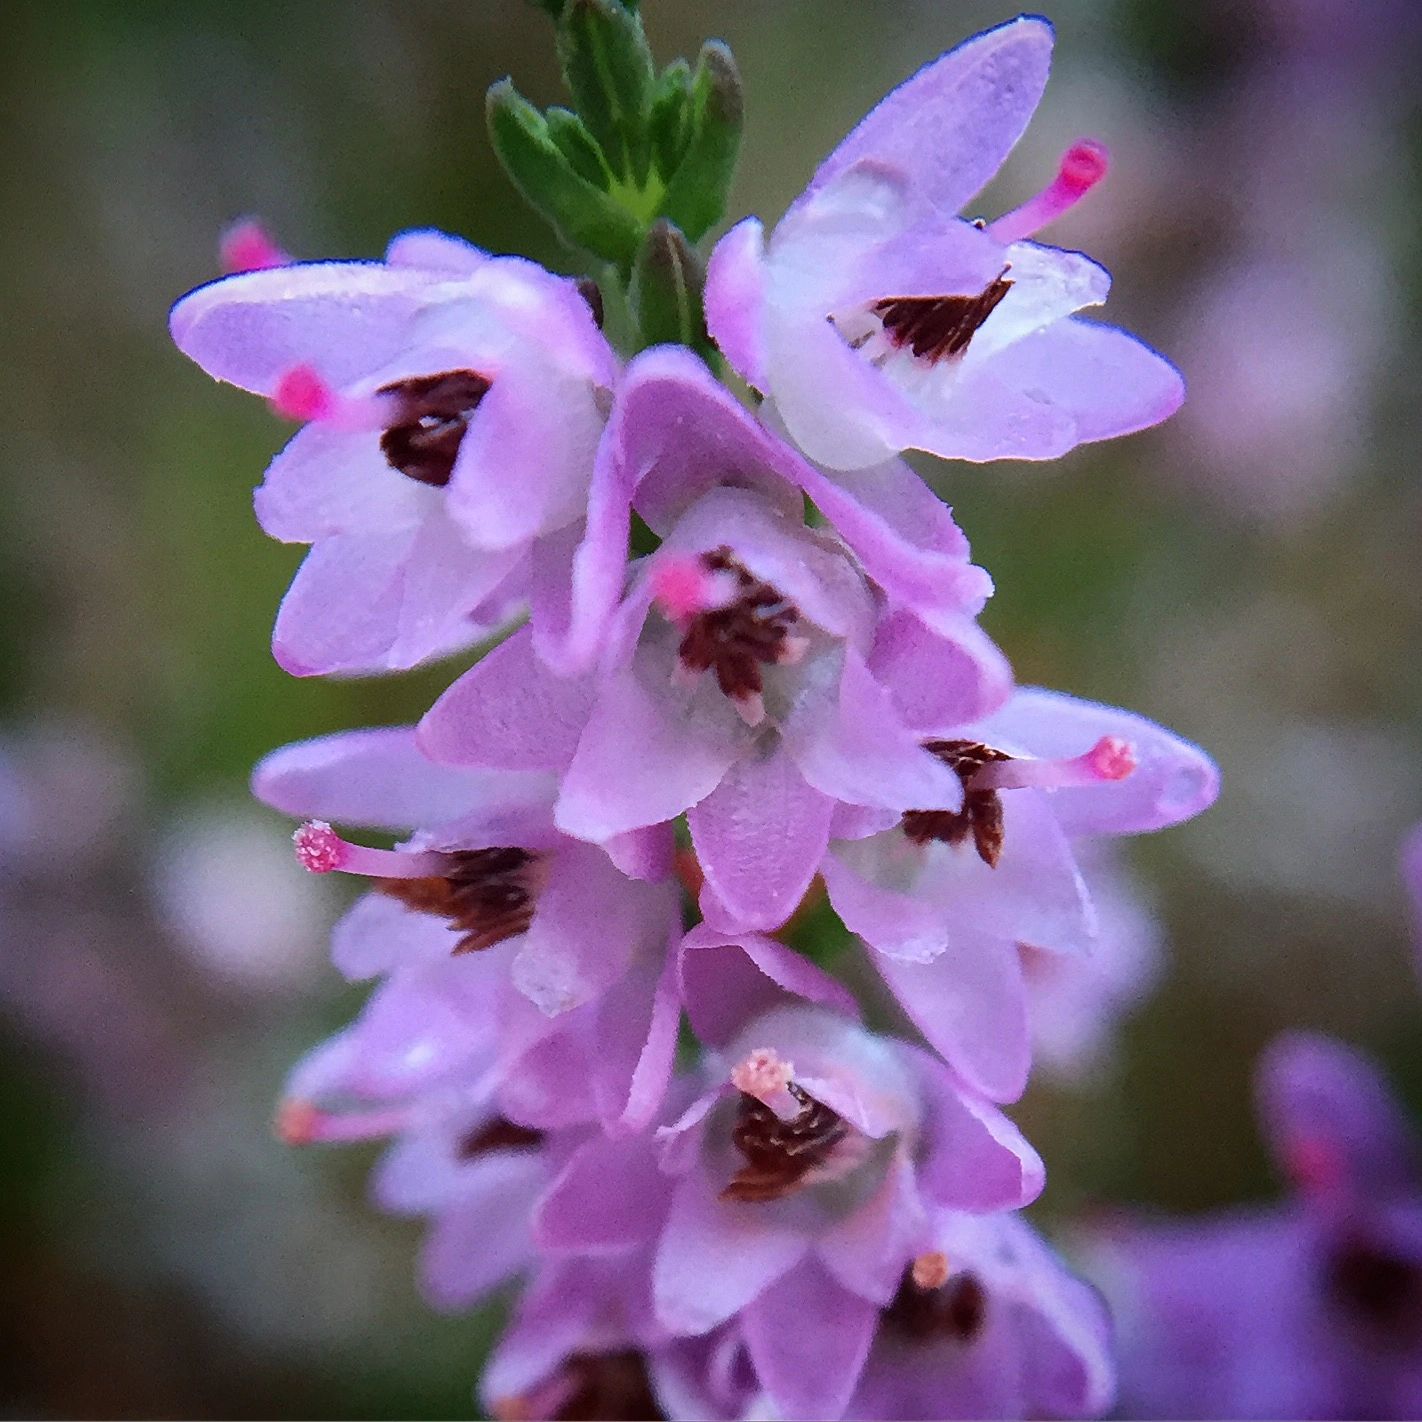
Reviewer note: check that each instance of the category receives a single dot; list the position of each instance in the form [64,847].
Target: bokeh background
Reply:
[1247,574]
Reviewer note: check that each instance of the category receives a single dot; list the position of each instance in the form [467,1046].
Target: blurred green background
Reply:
[1247,575]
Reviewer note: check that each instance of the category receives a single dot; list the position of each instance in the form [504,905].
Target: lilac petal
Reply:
[1172,781]
[951,125]
[422,1171]
[376,777]
[610,1195]
[850,744]
[648,753]
[519,473]
[715,1256]
[728,979]
[644,853]
[342,610]
[552,608]
[971,1005]
[550,1083]
[735,297]
[1106,380]
[867,1249]
[759,836]
[508,711]
[682,433]
[378,933]
[478,1242]
[589,921]
[553,1319]
[988,415]
[1034,894]
[976,1159]
[904,926]
[906,538]
[329,480]
[808,1338]
[434,251]
[938,682]
[638,1020]
[1332,1121]
[841,410]
[346,319]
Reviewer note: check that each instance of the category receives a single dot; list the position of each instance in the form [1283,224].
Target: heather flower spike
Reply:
[750,680]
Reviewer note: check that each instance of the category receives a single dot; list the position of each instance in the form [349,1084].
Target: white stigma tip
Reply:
[930,1270]
[319,848]
[763,1074]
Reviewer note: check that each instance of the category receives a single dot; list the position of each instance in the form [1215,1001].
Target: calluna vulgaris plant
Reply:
[735,668]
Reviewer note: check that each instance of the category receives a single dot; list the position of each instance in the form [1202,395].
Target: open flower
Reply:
[877,320]
[947,900]
[737,685]
[452,404]
[792,1193]
[1308,1308]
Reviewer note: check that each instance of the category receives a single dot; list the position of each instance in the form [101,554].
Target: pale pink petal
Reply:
[867,1249]
[609,1195]
[938,681]
[735,297]
[950,126]
[970,1004]
[904,925]
[715,1256]
[378,933]
[508,711]
[431,250]
[759,836]
[637,1023]
[808,1338]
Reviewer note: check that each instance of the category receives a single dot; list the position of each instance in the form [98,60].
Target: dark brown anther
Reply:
[955,1310]
[780,1154]
[498,1134]
[591,292]
[487,895]
[431,415]
[603,1385]
[939,327]
[737,639]
[1377,1289]
[981,815]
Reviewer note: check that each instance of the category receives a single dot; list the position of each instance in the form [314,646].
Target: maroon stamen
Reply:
[779,1154]
[956,1310]
[981,815]
[488,895]
[431,415]
[498,1134]
[738,638]
[939,327]
[1377,1289]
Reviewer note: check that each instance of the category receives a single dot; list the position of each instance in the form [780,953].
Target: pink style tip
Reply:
[246,246]
[1083,165]
[1312,1165]
[301,394]
[681,586]
[1111,758]
[295,1122]
[319,848]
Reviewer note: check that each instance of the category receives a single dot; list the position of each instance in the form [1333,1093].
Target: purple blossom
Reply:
[1308,1308]
[877,320]
[751,677]
[793,1192]
[453,403]
[950,900]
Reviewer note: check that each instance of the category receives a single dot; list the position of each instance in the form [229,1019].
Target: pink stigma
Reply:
[318,847]
[1312,1165]
[930,1270]
[767,1076]
[1083,165]
[295,1122]
[1111,758]
[681,586]
[301,394]
[246,247]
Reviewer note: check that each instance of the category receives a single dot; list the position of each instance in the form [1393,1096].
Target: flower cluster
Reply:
[750,676]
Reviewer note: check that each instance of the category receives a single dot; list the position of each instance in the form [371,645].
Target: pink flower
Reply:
[877,320]
[452,404]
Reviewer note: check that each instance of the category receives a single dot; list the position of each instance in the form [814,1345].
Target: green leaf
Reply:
[582,214]
[670,122]
[667,282]
[696,194]
[608,66]
[577,145]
